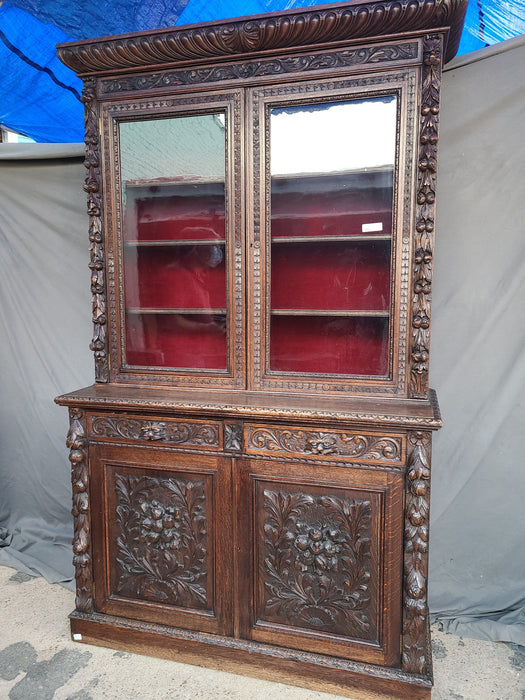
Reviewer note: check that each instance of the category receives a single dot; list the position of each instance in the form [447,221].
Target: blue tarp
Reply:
[40,98]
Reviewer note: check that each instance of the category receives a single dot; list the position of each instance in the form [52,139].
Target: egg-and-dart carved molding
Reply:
[265,33]
[77,444]
[316,443]
[172,432]
[256,69]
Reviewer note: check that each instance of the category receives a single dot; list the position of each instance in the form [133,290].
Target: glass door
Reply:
[326,238]
[181,290]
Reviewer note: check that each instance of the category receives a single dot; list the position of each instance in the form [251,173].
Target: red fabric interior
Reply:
[331,345]
[351,276]
[187,277]
[338,212]
[176,218]
[157,340]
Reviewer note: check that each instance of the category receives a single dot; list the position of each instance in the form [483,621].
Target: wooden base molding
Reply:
[319,672]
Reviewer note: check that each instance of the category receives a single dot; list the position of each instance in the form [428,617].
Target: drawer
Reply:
[186,433]
[325,445]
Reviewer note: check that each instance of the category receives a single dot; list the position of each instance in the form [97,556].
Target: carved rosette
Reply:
[315,563]
[426,196]
[99,344]
[161,540]
[77,444]
[173,432]
[233,437]
[316,443]
[417,508]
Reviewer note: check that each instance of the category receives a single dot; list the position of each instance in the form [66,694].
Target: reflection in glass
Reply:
[173,173]
[331,227]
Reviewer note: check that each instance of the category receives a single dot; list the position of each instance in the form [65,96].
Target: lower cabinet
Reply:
[321,558]
[162,536]
[302,556]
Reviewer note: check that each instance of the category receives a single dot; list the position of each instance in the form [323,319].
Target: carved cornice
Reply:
[99,344]
[77,443]
[424,234]
[417,509]
[264,33]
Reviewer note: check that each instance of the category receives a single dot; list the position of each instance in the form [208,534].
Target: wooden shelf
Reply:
[331,239]
[330,312]
[181,242]
[179,312]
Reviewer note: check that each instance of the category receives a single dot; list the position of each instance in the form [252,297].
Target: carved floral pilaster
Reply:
[426,197]
[77,443]
[99,344]
[417,509]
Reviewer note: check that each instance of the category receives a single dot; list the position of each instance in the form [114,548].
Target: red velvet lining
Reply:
[339,212]
[177,218]
[190,341]
[176,277]
[331,345]
[351,276]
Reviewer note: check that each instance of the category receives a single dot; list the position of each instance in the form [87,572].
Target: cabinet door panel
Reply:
[325,571]
[161,516]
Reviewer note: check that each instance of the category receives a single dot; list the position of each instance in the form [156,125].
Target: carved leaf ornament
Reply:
[326,443]
[161,540]
[77,443]
[316,563]
[417,510]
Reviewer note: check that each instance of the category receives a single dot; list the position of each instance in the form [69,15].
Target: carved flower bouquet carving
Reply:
[161,540]
[316,563]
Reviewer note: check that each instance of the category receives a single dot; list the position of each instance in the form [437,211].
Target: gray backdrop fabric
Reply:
[477,566]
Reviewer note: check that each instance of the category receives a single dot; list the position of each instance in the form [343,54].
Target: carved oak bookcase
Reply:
[251,469]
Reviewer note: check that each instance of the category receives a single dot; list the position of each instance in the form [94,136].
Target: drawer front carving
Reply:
[173,432]
[324,444]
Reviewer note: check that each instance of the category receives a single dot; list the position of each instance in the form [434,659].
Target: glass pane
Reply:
[331,229]
[173,196]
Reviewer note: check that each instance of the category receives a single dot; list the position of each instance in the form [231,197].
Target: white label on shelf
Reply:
[77,637]
[368,228]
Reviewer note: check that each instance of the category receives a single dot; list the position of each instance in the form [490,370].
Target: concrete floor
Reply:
[38,661]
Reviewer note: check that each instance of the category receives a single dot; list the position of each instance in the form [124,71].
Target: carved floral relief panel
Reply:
[330,444]
[160,542]
[314,561]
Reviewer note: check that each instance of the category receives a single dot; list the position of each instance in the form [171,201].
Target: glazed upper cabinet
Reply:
[299,289]
[251,468]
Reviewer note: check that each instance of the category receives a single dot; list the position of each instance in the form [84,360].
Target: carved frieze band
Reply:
[417,508]
[267,33]
[313,443]
[99,344]
[77,444]
[424,235]
[315,562]
[172,432]
[333,60]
